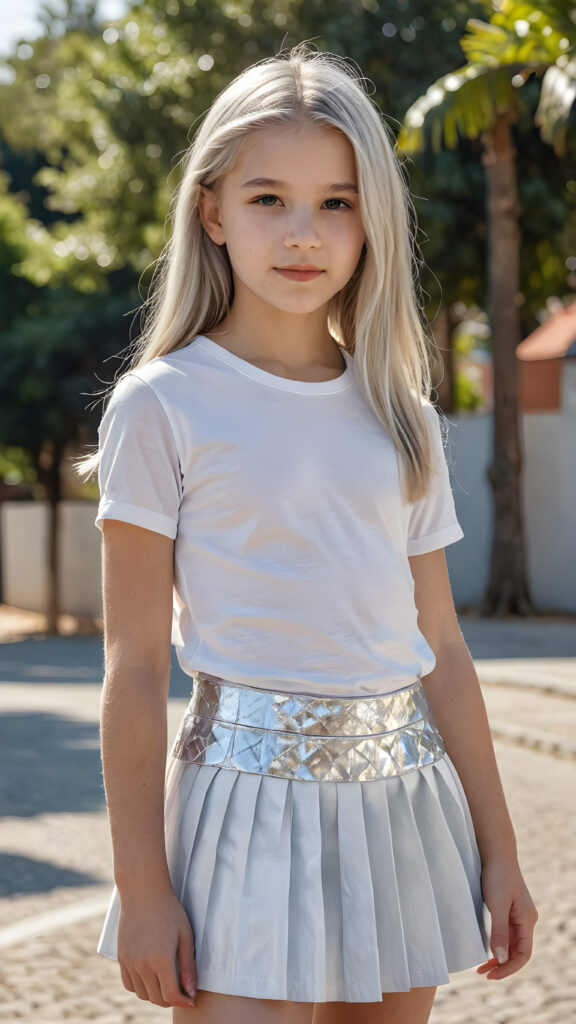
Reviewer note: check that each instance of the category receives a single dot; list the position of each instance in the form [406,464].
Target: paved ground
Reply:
[55,860]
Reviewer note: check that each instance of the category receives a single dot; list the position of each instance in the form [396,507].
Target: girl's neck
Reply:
[280,342]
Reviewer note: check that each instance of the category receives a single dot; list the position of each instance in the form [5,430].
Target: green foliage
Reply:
[519,40]
[541,39]
[517,33]
[518,64]
[16,241]
[467,395]
[49,358]
[464,343]
[547,218]
[15,465]
[556,102]
[462,104]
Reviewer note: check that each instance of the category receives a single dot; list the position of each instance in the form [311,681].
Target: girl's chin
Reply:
[268,298]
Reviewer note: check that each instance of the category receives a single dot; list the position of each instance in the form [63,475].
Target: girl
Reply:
[330,827]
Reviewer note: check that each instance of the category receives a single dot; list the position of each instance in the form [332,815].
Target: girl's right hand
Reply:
[156,949]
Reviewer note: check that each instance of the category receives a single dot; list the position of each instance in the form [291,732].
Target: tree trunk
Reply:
[49,476]
[507,592]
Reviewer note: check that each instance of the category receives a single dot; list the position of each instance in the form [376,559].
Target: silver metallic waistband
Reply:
[310,738]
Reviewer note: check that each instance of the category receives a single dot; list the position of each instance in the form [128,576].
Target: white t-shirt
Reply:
[291,541]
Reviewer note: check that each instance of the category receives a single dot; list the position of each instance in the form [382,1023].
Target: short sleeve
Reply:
[139,472]
[433,523]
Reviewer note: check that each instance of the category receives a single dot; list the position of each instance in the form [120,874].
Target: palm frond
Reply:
[512,39]
[555,14]
[462,104]
[556,100]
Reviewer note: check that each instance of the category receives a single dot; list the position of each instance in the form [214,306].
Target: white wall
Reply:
[569,386]
[23,534]
[23,537]
[549,491]
[549,504]
[468,454]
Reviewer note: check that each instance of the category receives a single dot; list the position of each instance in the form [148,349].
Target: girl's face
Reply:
[289,216]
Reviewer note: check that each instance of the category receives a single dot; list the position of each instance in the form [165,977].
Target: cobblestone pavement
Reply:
[55,850]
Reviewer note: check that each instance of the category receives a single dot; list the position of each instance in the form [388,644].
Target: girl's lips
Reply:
[299,275]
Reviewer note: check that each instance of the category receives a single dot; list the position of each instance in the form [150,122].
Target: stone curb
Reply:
[52,920]
[496,673]
[535,739]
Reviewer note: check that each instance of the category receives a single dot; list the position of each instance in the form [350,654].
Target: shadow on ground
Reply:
[517,638]
[48,764]
[72,660]
[24,876]
[52,659]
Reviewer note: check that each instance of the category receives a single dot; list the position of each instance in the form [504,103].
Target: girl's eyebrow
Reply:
[344,186]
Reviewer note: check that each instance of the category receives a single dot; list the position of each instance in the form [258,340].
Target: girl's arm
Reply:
[455,697]
[154,931]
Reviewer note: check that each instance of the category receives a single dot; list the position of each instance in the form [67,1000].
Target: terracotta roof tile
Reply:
[554,339]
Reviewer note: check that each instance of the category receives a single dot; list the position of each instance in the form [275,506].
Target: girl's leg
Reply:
[215,1008]
[411,1007]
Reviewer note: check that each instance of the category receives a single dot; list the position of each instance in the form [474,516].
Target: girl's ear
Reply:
[209,210]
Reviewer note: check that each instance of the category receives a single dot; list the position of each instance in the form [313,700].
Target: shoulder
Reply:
[135,406]
[154,383]
[164,371]
[131,396]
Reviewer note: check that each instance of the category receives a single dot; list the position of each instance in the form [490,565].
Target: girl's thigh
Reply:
[215,1008]
[411,1007]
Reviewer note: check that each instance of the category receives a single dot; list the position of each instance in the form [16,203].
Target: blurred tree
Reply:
[49,362]
[481,100]
[69,15]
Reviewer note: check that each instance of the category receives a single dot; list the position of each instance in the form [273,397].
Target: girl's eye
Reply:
[331,204]
[263,200]
[340,204]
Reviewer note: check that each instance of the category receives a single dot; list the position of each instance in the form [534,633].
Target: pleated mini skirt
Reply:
[322,847]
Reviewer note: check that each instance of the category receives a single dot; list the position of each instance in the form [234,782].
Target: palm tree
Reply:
[482,100]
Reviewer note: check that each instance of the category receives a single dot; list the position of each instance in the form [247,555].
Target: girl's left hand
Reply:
[513,916]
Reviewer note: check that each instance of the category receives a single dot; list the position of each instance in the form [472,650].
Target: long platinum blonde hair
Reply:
[377,316]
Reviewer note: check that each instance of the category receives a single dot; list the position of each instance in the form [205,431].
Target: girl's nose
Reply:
[301,232]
